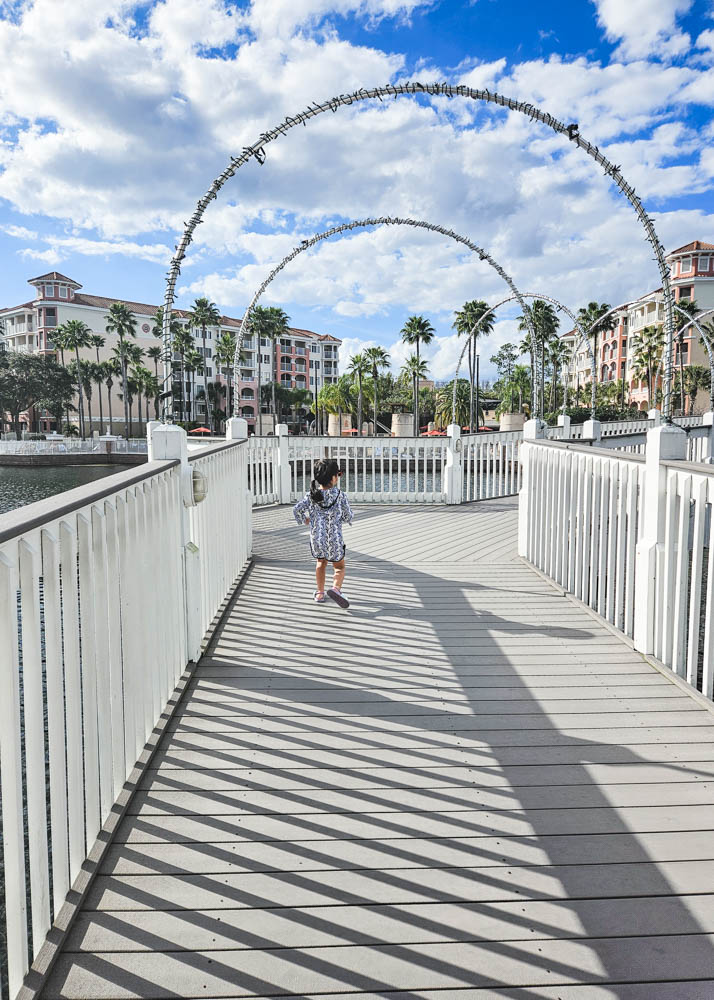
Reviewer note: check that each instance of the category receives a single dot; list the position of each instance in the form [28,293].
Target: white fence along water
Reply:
[491,465]
[105,593]
[72,446]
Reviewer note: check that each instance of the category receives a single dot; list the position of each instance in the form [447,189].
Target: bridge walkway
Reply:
[463,787]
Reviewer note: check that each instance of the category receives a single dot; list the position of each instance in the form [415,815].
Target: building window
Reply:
[685,265]
[63,291]
[51,316]
[685,293]
[704,263]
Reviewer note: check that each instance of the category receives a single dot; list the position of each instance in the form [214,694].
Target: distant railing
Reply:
[106,594]
[491,464]
[263,469]
[71,445]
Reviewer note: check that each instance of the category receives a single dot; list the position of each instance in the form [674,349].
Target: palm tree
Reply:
[691,311]
[87,369]
[377,358]
[193,362]
[559,356]
[183,343]
[203,315]
[545,323]
[97,341]
[646,353]
[279,326]
[141,377]
[110,370]
[175,326]
[343,395]
[417,330]
[225,355]
[590,318]
[73,335]
[359,367]
[155,354]
[415,368]
[152,388]
[259,323]
[121,322]
[465,320]
[444,409]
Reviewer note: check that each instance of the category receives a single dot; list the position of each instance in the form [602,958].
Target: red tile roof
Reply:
[689,247]
[54,276]
[11,309]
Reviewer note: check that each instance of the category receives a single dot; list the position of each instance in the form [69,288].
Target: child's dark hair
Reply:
[324,473]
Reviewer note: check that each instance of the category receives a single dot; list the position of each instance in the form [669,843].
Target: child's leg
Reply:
[320,570]
[339,568]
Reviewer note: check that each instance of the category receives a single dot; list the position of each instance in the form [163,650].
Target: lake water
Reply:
[20,485]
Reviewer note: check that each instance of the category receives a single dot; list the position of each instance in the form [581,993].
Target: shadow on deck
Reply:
[463,786]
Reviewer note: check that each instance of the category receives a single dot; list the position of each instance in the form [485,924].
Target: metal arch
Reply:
[257,151]
[707,344]
[361,224]
[526,295]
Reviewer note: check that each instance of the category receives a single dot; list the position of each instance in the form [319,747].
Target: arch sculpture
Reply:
[361,224]
[256,150]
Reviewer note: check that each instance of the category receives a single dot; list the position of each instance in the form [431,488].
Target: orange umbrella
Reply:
[201,430]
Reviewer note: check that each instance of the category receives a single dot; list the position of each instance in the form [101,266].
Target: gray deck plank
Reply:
[468,788]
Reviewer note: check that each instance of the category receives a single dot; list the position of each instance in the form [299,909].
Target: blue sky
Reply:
[113,122]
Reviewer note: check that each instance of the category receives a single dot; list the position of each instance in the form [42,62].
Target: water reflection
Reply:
[26,484]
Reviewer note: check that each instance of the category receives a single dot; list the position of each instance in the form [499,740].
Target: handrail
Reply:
[34,515]
[193,456]
[584,448]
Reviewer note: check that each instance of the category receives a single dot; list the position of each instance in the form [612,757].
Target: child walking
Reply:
[325,508]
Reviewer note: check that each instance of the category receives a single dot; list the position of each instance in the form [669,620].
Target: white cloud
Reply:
[644,27]
[20,233]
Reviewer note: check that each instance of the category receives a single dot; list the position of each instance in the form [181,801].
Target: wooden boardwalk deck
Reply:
[463,787]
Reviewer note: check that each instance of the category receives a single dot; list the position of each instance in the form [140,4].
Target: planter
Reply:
[333,424]
[402,425]
[512,421]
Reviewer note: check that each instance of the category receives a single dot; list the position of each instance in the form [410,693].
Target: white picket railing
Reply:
[376,469]
[221,525]
[491,464]
[699,445]
[262,457]
[105,594]
[581,507]
[631,537]
[684,594]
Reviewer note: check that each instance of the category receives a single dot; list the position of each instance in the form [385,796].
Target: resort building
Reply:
[303,359]
[692,276]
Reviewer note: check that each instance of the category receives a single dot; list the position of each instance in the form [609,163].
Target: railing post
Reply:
[564,422]
[283,477]
[533,430]
[592,430]
[236,429]
[665,443]
[708,452]
[166,442]
[454,465]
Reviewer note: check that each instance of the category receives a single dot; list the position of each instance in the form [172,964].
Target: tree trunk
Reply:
[99,392]
[109,406]
[79,394]
[478,373]
[275,376]
[205,374]
[359,404]
[258,410]
[471,384]
[125,392]
[89,411]
[374,376]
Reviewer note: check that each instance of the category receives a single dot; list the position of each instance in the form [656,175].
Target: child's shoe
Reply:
[338,597]
[319,597]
